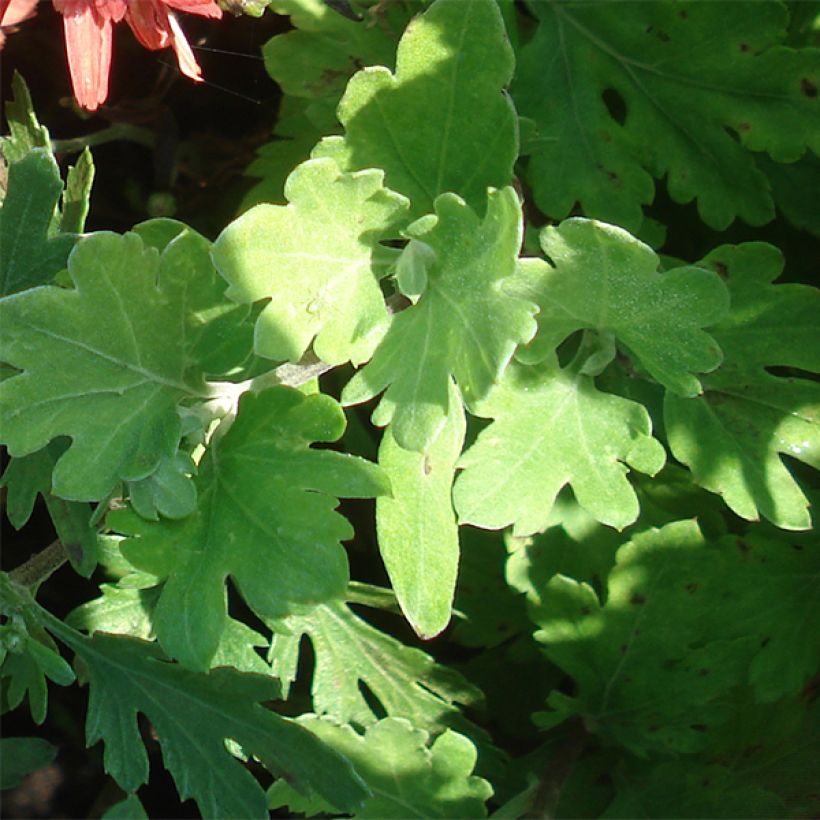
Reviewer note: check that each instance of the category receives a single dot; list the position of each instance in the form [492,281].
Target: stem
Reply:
[558,770]
[115,132]
[40,566]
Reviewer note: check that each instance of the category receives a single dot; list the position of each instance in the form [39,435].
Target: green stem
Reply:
[115,132]
[40,566]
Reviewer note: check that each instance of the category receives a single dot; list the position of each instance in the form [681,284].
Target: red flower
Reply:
[13,12]
[88,24]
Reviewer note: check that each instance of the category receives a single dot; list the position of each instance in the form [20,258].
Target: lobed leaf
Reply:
[686,91]
[420,124]
[193,714]
[265,518]
[734,435]
[552,428]
[317,260]
[600,277]
[463,326]
[416,525]
[406,777]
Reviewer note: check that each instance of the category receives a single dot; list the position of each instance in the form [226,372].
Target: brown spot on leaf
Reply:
[744,126]
[698,727]
[721,270]
[692,588]
[808,87]
[637,599]
[744,47]
[702,673]
[743,546]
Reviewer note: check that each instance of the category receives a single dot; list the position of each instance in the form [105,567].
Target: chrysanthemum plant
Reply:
[448,291]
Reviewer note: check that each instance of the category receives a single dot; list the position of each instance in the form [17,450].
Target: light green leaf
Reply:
[351,654]
[29,254]
[119,611]
[317,261]
[416,525]
[77,195]
[685,91]
[193,714]
[464,325]
[107,362]
[420,124]
[25,132]
[599,277]
[732,436]
[407,777]
[265,518]
[552,428]
[21,756]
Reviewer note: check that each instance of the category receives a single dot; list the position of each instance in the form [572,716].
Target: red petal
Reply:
[185,57]
[88,43]
[149,22]
[204,8]
[13,12]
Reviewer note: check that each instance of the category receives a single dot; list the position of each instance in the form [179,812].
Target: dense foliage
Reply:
[467,290]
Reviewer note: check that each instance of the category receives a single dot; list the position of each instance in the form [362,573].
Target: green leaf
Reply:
[21,756]
[167,491]
[656,665]
[77,194]
[446,333]
[683,91]
[351,654]
[316,59]
[27,477]
[265,518]
[406,777]
[193,714]
[777,599]
[552,428]
[416,525]
[128,809]
[29,254]
[318,262]
[25,131]
[107,362]
[421,124]
[599,277]
[732,436]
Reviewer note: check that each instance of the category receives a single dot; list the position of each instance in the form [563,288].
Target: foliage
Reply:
[396,399]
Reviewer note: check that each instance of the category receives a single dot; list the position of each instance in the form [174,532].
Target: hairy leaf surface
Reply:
[464,325]
[106,362]
[416,525]
[551,428]
[317,260]
[602,278]
[265,518]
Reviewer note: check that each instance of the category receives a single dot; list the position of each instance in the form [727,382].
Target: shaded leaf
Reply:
[685,91]
[733,437]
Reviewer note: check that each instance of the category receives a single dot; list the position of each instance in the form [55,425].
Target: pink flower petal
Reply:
[88,44]
[185,57]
